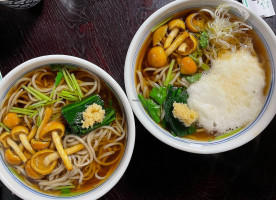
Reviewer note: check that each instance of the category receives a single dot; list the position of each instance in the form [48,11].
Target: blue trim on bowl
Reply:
[189,141]
[58,197]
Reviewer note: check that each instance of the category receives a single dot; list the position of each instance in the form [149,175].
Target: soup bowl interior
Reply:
[21,189]
[244,135]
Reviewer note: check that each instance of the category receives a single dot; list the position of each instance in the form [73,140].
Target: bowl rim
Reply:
[164,136]
[19,187]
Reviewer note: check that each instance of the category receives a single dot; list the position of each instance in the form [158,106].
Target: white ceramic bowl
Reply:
[25,192]
[236,140]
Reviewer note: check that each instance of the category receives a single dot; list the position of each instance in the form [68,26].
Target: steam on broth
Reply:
[42,135]
[179,55]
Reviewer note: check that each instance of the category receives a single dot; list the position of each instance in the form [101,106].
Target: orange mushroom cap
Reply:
[46,132]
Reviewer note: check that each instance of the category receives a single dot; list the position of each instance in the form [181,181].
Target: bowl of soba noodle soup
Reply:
[200,75]
[67,129]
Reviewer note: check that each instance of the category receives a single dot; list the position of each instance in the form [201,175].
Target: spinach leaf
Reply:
[178,95]
[203,39]
[56,67]
[151,107]
[158,94]
[193,78]
[72,113]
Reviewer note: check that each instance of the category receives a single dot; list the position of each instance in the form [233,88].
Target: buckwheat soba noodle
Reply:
[203,73]
[62,130]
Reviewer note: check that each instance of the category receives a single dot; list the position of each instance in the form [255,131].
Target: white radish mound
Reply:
[230,95]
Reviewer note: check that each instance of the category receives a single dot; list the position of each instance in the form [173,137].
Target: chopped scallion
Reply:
[205,66]
[30,91]
[37,104]
[41,95]
[67,79]
[161,24]
[78,90]
[4,127]
[168,78]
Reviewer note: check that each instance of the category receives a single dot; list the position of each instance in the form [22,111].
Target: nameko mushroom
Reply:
[44,161]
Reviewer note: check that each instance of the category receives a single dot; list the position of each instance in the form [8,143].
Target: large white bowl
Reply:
[21,189]
[240,138]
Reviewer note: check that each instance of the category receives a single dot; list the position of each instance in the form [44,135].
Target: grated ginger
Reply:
[94,113]
[184,113]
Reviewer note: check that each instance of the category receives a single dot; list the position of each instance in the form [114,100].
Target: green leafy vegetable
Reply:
[65,191]
[56,67]
[193,78]
[178,95]
[158,94]
[73,114]
[151,107]
[203,39]
[168,78]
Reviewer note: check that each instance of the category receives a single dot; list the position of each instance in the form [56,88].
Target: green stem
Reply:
[41,95]
[167,81]
[30,91]
[77,86]
[161,24]
[4,127]
[67,80]
[228,134]
[36,105]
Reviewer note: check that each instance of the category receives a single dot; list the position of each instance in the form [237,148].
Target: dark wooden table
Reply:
[100,32]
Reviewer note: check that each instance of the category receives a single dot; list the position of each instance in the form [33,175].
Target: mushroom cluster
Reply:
[176,39]
[38,149]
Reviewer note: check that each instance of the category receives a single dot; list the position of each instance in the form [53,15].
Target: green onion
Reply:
[71,194]
[78,90]
[43,96]
[194,58]
[55,116]
[24,111]
[205,66]
[33,114]
[57,82]
[168,79]
[68,95]
[161,24]
[38,121]
[4,127]
[54,101]
[64,187]
[67,79]
[228,134]
[37,104]
[30,91]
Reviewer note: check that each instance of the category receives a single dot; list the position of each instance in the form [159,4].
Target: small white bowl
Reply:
[20,188]
[231,142]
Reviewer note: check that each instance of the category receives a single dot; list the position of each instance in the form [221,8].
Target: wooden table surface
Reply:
[100,32]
